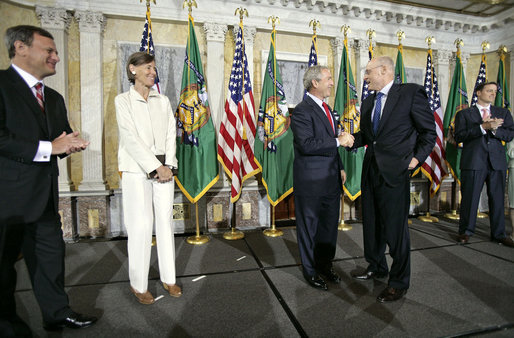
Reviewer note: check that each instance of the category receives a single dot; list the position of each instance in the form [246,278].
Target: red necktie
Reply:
[327,111]
[485,113]
[39,96]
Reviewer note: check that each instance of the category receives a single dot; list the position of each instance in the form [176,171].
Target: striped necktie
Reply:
[39,96]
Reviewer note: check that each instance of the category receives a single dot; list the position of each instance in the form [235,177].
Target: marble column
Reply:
[91,26]
[441,60]
[57,22]
[361,47]
[215,72]
[337,45]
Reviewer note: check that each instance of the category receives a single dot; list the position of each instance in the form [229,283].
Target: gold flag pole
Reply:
[235,234]
[485,45]
[198,239]
[342,225]
[154,242]
[273,231]
[427,217]
[453,213]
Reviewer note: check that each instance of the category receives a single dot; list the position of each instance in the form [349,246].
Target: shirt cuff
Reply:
[44,152]
[337,141]
[483,130]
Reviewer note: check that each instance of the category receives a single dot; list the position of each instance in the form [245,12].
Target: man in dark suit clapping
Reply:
[34,130]
[318,177]
[398,127]
[482,129]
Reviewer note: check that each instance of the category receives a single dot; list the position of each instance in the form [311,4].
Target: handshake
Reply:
[345,139]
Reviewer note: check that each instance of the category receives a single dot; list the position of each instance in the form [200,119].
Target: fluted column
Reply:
[337,45]
[91,26]
[361,60]
[215,36]
[441,60]
[57,21]
[510,49]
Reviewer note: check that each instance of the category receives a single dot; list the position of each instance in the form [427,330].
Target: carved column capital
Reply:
[53,18]
[93,22]
[442,56]
[215,31]
[249,34]
[337,45]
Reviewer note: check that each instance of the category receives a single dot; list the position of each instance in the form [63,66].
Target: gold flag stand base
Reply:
[482,215]
[198,239]
[342,225]
[273,232]
[233,234]
[409,222]
[452,215]
[429,219]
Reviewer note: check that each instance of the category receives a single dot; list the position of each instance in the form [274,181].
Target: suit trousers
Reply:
[385,212]
[316,228]
[11,238]
[144,201]
[472,183]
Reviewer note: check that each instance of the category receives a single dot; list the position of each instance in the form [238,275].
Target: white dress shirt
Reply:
[44,150]
[319,102]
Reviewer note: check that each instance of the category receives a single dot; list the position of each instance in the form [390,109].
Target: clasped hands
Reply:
[345,139]
[164,174]
[491,123]
[68,143]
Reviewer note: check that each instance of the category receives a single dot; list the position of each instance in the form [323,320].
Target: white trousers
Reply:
[144,201]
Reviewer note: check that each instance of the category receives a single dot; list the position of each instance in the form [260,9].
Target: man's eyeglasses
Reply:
[367,71]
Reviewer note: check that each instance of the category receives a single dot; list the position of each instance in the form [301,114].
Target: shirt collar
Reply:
[316,99]
[488,107]
[386,88]
[30,79]
[138,96]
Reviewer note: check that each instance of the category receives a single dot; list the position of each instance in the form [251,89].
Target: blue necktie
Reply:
[376,114]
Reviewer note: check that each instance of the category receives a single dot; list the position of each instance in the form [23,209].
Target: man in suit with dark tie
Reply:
[318,177]
[481,129]
[398,128]
[34,130]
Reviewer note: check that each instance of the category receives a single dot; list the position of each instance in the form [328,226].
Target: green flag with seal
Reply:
[399,69]
[196,135]
[502,96]
[457,100]
[274,142]
[349,120]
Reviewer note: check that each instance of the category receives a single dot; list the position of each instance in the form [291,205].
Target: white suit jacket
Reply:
[146,129]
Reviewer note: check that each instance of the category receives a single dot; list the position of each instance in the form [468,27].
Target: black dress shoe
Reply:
[317,282]
[390,294]
[369,275]
[507,241]
[73,321]
[331,275]
[462,239]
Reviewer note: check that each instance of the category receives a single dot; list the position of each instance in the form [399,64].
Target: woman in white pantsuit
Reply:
[146,132]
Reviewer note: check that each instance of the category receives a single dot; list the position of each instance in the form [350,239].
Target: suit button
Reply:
[374,142]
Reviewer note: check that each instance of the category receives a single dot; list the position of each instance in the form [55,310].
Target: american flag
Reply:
[481,78]
[147,44]
[434,167]
[237,129]
[313,55]
[365,89]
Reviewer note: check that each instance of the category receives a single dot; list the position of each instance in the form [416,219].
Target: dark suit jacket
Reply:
[406,130]
[25,185]
[317,165]
[478,148]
